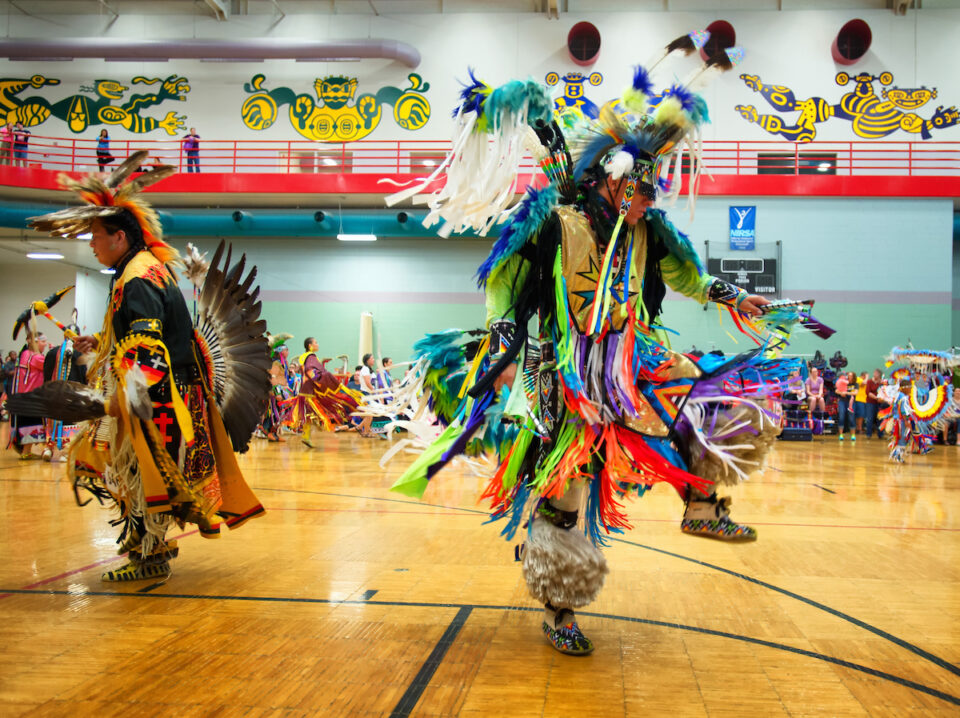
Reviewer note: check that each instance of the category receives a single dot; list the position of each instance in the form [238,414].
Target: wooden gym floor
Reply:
[347,600]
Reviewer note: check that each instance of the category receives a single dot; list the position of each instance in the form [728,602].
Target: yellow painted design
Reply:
[871,116]
[333,115]
[98,104]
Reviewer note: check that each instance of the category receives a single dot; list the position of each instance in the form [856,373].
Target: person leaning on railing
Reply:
[6,143]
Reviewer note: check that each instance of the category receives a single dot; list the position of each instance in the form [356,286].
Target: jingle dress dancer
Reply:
[168,400]
[607,409]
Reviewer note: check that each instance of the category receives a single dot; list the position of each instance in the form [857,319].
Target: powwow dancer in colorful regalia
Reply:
[167,402]
[925,403]
[613,409]
[323,398]
[278,408]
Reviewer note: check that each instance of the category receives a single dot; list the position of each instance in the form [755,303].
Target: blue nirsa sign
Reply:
[743,228]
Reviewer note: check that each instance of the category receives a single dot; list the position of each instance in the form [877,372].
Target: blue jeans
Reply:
[193,160]
[845,418]
[870,419]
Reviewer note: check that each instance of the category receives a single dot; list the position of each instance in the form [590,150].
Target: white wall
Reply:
[21,285]
[790,48]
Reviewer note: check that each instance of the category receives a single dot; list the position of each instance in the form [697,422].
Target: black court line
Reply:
[420,681]
[148,589]
[906,683]
[936,660]
[825,489]
[367,595]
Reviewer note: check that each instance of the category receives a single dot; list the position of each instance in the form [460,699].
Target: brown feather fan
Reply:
[233,345]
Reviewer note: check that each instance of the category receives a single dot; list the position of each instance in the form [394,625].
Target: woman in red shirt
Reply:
[845,387]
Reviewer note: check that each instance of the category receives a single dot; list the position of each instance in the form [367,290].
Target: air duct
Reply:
[262,223]
[251,49]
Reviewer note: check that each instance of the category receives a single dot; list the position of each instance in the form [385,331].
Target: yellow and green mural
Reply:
[101,103]
[871,116]
[334,116]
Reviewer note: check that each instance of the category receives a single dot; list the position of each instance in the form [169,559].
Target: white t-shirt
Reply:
[366,372]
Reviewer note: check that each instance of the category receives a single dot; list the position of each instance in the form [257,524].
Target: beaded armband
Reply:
[723,292]
[502,333]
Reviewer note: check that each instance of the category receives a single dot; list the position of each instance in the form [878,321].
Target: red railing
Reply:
[721,157]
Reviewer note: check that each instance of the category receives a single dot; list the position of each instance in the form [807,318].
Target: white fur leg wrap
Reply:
[562,567]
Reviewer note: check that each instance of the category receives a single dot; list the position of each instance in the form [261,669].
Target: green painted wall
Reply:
[396,326]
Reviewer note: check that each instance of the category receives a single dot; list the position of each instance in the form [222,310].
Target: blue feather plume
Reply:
[472,96]
[684,95]
[532,213]
[642,81]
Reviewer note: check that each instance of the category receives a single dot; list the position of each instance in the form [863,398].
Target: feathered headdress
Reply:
[108,195]
[643,137]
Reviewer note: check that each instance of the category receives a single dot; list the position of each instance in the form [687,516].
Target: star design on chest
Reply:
[592,276]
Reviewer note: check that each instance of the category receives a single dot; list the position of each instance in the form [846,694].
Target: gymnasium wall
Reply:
[22,284]
[880,271]
[956,291]
[790,48]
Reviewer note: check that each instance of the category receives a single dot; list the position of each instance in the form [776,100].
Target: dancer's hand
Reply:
[85,344]
[751,305]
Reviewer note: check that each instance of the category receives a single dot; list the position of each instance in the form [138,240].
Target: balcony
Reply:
[276,172]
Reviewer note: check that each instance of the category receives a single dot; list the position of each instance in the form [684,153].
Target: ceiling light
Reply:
[329,161]
[108,270]
[44,255]
[428,163]
[823,166]
[357,237]
[85,236]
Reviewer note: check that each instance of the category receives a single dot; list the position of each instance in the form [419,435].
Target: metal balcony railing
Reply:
[420,157]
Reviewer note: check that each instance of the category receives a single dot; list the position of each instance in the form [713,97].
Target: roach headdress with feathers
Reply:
[642,138]
[110,195]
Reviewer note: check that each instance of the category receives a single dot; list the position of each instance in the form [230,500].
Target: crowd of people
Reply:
[861,404]
[306,393]
[37,362]
[15,147]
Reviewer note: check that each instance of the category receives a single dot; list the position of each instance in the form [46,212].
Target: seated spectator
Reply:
[814,387]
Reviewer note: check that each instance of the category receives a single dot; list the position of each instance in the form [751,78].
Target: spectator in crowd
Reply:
[384,380]
[954,429]
[794,394]
[103,150]
[21,141]
[8,368]
[845,404]
[872,401]
[6,143]
[191,146]
[354,382]
[860,401]
[25,431]
[814,388]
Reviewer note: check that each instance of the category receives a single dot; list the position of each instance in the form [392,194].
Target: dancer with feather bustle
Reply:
[167,402]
